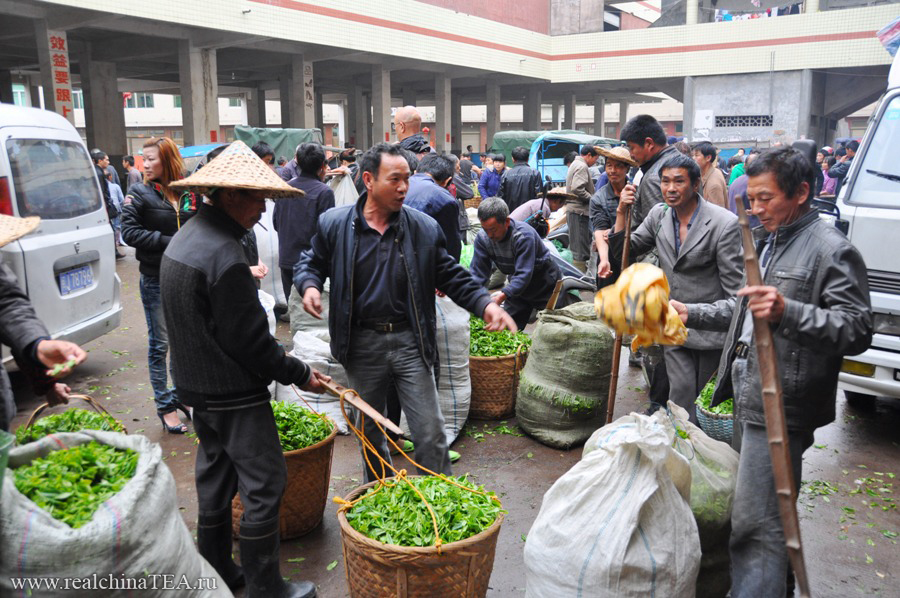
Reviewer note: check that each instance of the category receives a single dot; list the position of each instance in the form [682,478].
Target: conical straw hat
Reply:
[12,228]
[237,167]
[618,153]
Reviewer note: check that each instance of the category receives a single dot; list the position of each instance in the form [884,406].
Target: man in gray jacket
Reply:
[581,185]
[699,247]
[816,300]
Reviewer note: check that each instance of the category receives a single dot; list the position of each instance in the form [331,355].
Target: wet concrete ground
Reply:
[849,518]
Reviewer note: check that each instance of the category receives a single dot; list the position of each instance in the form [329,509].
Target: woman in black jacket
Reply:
[152,215]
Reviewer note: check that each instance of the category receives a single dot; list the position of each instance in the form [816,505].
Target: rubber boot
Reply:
[260,552]
[214,542]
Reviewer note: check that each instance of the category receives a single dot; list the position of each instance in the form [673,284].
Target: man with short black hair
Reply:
[815,298]
[101,162]
[839,171]
[295,220]
[520,183]
[134,175]
[580,185]
[466,165]
[646,142]
[516,250]
[712,181]
[384,262]
[489,184]
[428,194]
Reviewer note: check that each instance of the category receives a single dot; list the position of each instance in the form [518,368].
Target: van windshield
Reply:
[878,178]
[52,179]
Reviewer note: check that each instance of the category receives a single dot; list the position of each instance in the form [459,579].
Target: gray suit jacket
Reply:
[709,266]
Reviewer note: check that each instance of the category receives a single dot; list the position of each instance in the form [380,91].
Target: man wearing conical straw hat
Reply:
[25,334]
[224,359]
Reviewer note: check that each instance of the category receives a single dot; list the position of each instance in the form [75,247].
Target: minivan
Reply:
[869,203]
[67,265]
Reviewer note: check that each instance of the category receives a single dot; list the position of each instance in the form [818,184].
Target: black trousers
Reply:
[287,281]
[240,451]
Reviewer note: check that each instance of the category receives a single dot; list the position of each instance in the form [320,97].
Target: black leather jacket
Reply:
[519,184]
[424,255]
[149,222]
[827,315]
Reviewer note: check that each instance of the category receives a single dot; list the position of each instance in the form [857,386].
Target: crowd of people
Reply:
[399,244]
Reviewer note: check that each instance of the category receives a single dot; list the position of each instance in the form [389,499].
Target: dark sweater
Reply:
[295,218]
[222,353]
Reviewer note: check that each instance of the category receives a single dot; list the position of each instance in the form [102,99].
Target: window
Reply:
[19,94]
[78,99]
[234,102]
[139,100]
[764,120]
[71,191]
[878,177]
[176,101]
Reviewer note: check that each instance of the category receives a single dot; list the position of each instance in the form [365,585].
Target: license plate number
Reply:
[75,279]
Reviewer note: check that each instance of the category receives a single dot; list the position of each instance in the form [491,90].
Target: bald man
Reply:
[408,124]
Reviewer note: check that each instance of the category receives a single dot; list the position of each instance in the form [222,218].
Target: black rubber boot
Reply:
[260,551]
[214,542]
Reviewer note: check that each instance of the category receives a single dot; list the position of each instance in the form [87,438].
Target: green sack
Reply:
[564,386]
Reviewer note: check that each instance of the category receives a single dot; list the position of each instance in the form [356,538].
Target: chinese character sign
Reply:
[59,65]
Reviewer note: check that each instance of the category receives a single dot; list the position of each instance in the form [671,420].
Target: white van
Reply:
[67,265]
[870,203]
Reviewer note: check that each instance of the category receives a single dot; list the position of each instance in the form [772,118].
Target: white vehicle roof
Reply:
[22,116]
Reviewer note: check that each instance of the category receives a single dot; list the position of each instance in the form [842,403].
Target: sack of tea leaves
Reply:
[713,466]
[454,385]
[619,522]
[316,353]
[564,386]
[302,321]
[136,536]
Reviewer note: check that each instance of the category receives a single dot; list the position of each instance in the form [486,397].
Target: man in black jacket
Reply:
[384,262]
[839,171]
[224,360]
[520,183]
[296,221]
[101,162]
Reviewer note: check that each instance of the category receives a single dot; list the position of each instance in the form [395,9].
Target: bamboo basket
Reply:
[472,203]
[306,491]
[96,406]
[375,570]
[716,426]
[495,383]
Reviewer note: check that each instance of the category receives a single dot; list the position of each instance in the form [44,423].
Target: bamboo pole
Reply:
[776,427]
[617,347]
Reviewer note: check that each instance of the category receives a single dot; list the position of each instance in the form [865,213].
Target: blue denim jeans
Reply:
[379,361]
[158,345]
[759,558]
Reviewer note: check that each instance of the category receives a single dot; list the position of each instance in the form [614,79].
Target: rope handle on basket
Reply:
[515,378]
[87,399]
[399,475]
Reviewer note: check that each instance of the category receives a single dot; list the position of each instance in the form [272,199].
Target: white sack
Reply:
[267,245]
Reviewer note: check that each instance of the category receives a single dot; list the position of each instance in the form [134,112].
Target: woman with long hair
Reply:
[152,215]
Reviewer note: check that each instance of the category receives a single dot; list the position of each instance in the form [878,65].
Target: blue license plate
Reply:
[75,279]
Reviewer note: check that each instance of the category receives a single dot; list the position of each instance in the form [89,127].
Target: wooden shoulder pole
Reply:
[776,427]
[617,347]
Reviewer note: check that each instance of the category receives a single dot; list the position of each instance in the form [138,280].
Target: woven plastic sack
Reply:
[317,354]
[454,384]
[564,386]
[618,524]
[267,245]
[302,321]
[138,534]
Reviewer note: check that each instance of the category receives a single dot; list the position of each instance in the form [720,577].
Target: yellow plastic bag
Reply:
[638,304]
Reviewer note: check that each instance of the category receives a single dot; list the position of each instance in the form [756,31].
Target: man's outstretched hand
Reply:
[496,318]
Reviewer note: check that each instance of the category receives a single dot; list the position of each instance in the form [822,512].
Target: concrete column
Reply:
[35,92]
[554,115]
[532,110]
[456,145]
[687,119]
[599,115]
[442,113]
[320,113]
[623,114]
[256,108]
[103,112]
[493,112]
[298,98]
[6,90]
[44,59]
[381,104]
[367,109]
[804,104]
[358,129]
[811,6]
[692,10]
[199,93]
[569,111]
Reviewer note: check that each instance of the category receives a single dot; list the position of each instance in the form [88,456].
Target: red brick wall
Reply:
[533,15]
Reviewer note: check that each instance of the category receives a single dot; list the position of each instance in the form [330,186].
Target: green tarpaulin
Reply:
[504,142]
[284,142]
